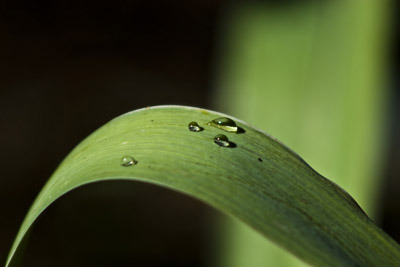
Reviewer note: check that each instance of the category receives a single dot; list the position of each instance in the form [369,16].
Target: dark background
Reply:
[68,67]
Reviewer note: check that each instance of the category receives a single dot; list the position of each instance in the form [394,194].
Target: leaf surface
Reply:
[256,179]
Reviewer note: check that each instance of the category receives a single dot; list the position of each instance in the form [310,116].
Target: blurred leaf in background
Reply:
[311,74]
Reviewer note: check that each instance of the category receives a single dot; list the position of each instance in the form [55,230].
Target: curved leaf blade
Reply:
[258,180]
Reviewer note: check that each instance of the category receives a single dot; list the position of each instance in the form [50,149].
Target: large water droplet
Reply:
[194,127]
[127,161]
[225,124]
[222,140]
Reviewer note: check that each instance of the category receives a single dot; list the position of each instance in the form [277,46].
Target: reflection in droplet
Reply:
[225,124]
[127,161]
[221,140]
[194,127]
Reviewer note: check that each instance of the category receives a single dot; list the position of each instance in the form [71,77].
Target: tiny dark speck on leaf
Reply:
[259,159]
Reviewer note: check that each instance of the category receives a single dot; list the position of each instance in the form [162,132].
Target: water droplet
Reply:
[194,127]
[222,140]
[225,124]
[127,161]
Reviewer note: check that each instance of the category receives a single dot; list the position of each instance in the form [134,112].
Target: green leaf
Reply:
[257,179]
[311,73]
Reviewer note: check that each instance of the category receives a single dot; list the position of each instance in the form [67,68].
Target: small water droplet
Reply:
[222,140]
[127,161]
[194,127]
[225,124]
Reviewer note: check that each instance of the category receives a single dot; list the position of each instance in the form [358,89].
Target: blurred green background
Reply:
[321,76]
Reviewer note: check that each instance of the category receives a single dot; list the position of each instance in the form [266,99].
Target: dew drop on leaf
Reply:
[222,140]
[225,124]
[194,127]
[127,161]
